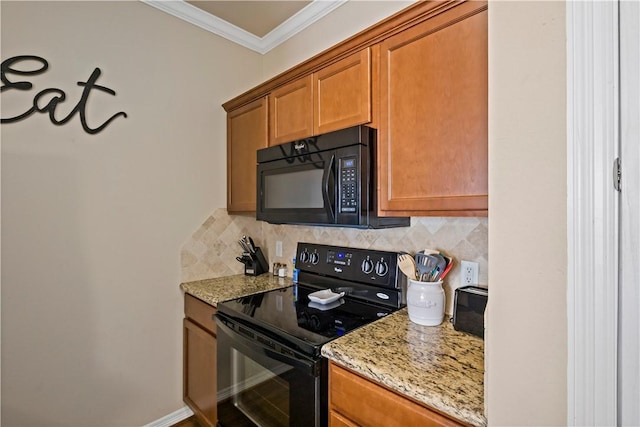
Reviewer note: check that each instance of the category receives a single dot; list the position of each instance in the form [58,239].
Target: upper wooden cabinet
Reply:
[246,133]
[291,111]
[433,134]
[420,77]
[335,97]
[342,94]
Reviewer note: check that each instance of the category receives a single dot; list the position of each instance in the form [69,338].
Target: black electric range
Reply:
[281,332]
[369,280]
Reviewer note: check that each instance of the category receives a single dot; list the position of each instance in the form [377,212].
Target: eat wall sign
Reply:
[47,100]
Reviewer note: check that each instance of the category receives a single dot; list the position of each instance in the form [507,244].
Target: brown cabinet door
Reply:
[354,400]
[342,93]
[291,112]
[200,373]
[337,420]
[433,135]
[246,133]
[200,313]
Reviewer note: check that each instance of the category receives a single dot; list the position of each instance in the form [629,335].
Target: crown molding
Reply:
[296,23]
[315,11]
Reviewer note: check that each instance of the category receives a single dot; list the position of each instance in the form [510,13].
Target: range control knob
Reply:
[367,266]
[313,258]
[304,256]
[382,268]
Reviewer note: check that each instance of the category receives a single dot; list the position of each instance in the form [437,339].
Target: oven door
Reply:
[261,383]
[297,189]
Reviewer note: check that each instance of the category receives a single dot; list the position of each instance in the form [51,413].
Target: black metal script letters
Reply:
[54,96]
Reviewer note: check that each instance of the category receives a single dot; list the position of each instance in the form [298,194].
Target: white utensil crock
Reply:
[425,302]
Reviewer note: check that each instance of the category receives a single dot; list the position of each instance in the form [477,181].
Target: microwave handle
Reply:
[328,194]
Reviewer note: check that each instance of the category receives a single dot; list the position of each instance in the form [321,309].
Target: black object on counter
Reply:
[255,263]
[468,310]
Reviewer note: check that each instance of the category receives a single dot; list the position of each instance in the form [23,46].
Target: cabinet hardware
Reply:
[617,174]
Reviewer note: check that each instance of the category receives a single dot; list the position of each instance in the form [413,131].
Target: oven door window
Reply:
[259,393]
[265,388]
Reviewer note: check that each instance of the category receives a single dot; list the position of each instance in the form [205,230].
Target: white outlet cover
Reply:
[468,273]
[279,248]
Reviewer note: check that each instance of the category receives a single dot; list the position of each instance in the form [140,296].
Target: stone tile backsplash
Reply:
[212,249]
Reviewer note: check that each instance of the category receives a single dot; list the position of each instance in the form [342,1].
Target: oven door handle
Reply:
[260,347]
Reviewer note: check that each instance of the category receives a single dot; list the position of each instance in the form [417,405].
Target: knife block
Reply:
[258,264]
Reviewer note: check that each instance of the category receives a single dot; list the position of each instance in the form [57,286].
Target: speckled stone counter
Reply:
[213,291]
[438,366]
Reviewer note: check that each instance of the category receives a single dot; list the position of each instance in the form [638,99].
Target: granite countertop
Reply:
[213,291]
[438,366]
[435,365]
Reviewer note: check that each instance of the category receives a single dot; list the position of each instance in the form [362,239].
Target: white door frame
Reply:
[592,216]
[629,301]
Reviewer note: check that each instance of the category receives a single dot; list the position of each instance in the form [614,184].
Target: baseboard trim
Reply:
[173,418]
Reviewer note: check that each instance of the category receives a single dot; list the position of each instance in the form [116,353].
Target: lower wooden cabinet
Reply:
[356,401]
[337,420]
[199,376]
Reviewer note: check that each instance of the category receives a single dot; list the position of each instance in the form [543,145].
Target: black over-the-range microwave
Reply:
[323,180]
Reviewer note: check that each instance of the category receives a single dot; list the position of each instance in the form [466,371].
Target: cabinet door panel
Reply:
[246,133]
[200,373]
[291,112]
[200,312]
[367,404]
[337,420]
[342,93]
[433,152]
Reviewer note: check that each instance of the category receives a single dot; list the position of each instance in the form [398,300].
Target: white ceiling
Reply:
[243,13]
[258,25]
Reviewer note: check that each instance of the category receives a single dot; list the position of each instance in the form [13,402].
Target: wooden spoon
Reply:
[407,265]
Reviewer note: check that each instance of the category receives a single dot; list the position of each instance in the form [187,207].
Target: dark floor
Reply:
[269,403]
[231,414]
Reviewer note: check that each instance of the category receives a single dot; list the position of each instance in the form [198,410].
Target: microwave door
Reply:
[294,193]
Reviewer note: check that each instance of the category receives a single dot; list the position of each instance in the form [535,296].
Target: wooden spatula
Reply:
[407,265]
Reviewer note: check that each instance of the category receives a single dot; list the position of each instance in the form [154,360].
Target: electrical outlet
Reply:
[468,273]
[279,248]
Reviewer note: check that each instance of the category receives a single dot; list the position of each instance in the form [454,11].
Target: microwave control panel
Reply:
[348,176]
